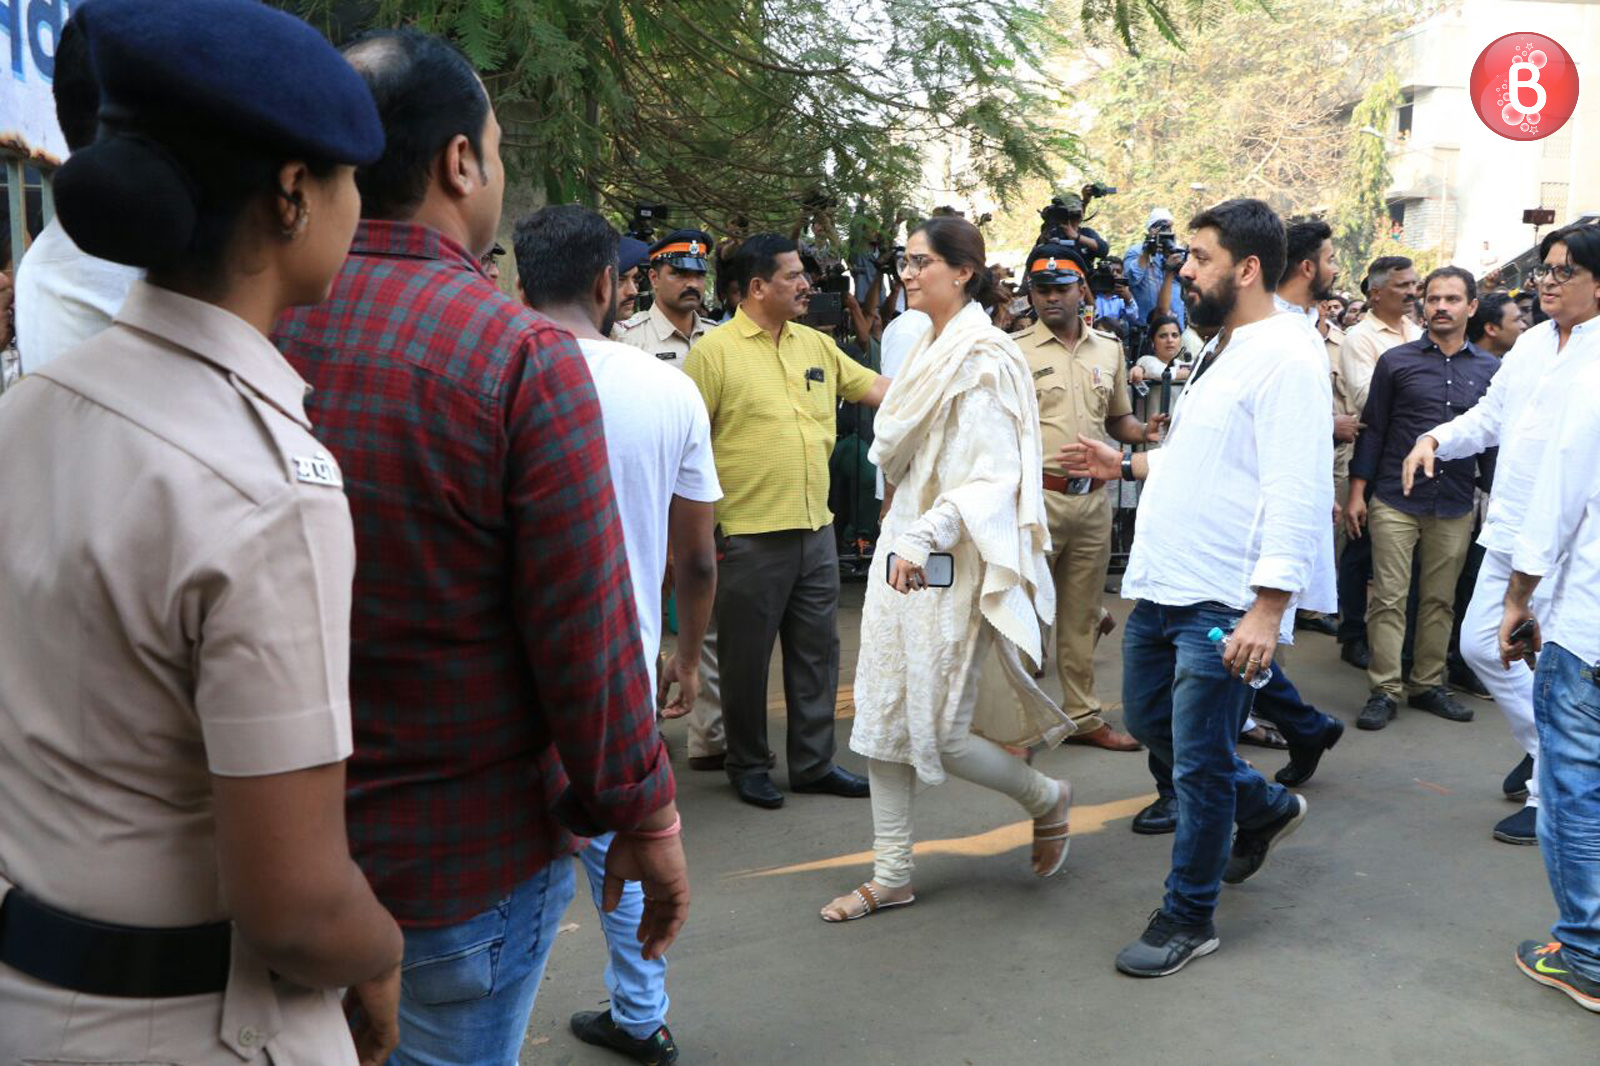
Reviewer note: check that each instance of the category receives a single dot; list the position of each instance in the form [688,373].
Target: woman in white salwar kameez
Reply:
[945,677]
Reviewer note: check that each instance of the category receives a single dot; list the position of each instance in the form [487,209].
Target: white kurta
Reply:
[963,424]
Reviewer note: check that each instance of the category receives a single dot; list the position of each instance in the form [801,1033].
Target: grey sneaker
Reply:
[1166,947]
[1250,846]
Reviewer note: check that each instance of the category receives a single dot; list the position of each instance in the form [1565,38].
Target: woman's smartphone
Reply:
[940,571]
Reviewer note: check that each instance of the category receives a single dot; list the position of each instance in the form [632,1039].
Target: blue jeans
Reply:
[1182,703]
[1278,702]
[467,989]
[1566,708]
[638,987]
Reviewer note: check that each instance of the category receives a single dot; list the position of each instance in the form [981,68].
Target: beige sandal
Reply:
[1054,831]
[869,899]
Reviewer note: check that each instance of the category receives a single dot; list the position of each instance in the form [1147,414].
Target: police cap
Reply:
[1056,263]
[249,69]
[686,249]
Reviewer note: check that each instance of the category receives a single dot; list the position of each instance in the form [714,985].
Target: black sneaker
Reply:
[1519,828]
[1303,762]
[1379,712]
[1250,846]
[1357,653]
[1158,818]
[1515,785]
[1437,700]
[600,1029]
[1546,964]
[1166,947]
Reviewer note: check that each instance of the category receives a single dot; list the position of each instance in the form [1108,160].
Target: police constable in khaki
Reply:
[1081,379]
[175,602]
[672,323]
[667,330]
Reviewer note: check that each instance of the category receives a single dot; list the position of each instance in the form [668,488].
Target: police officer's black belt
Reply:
[112,960]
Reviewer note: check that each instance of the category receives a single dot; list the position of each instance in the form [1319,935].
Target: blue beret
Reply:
[250,69]
[631,254]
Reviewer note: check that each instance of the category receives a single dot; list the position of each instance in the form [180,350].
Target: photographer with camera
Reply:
[1063,221]
[1114,307]
[1080,378]
[673,323]
[1152,270]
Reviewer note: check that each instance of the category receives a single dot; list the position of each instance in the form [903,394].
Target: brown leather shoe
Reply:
[1107,738]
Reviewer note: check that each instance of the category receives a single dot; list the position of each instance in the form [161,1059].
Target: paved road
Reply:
[1381,933]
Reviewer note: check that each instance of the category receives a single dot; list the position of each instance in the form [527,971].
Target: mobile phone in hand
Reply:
[940,569]
[1523,631]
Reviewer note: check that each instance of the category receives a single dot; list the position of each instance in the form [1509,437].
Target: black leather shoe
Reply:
[1437,700]
[1303,761]
[1463,679]
[601,1030]
[758,791]
[1158,818]
[1379,712]
[1515,786]
[836,782]
[1356,653]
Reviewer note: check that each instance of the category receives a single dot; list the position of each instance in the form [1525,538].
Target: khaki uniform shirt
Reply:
[1342,402]
[650,331]
[174,603]
[773,411]
[1078,388]
[1363,344]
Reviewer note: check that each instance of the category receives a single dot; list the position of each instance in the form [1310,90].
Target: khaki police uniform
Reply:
[1343,404]
[176,559]
[650,331]
[1078,389]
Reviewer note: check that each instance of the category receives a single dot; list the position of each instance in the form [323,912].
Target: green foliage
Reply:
[1361,217]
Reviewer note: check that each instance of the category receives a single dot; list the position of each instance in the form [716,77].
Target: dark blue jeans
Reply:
[1182,703]
[1278,702]
[1566,708]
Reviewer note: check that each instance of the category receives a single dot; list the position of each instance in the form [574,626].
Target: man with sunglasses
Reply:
[1521,413]
[1558,548]
[1081,380]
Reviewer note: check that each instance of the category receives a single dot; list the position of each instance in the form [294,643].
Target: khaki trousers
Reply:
[706,736]
[1080,553]
[1395,536]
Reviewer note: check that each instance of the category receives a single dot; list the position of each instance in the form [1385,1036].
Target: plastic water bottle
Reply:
[1220,638]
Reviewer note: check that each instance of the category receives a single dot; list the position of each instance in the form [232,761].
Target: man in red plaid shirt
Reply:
[500,697]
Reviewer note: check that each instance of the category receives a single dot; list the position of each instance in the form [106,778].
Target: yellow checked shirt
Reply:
[1078,388]
[772,409]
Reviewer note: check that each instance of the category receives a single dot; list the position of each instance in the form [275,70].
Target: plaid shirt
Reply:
[495,672]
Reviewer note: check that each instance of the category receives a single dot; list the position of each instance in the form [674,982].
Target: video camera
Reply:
[641,227]
[826,310]
[1162,242]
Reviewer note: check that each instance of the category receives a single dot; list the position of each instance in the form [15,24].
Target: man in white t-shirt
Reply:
[64,295]
[658,439]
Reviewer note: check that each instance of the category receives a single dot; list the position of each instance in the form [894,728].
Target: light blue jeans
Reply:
[638,987]
[1566,708]
[467,989]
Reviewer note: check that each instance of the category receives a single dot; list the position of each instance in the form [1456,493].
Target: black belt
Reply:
[112,960]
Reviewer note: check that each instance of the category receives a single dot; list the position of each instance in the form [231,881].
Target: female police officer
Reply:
[176,559]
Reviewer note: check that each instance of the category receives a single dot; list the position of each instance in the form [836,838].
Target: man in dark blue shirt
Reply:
[1416,386]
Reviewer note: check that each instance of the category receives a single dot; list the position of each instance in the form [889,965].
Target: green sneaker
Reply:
[1546,964]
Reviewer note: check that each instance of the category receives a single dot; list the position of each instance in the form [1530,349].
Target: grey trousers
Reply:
[781,586]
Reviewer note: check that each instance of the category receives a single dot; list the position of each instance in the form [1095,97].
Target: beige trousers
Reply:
[967,756]
[706,735]
[1395,536]
[1080,553]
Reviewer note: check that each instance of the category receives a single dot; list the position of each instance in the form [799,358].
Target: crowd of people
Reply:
[344,633]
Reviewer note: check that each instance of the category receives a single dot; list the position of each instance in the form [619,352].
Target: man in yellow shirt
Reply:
[772,388]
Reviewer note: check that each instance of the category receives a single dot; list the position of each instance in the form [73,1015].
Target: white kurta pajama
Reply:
[958,437]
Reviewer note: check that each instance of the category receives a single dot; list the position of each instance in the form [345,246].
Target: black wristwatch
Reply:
[1127,468]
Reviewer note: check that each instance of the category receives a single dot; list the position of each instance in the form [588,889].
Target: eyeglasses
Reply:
[913,265]
[1563,273]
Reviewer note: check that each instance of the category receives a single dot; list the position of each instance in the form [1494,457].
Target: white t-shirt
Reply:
[64,296]
[658,437]
[899,337]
